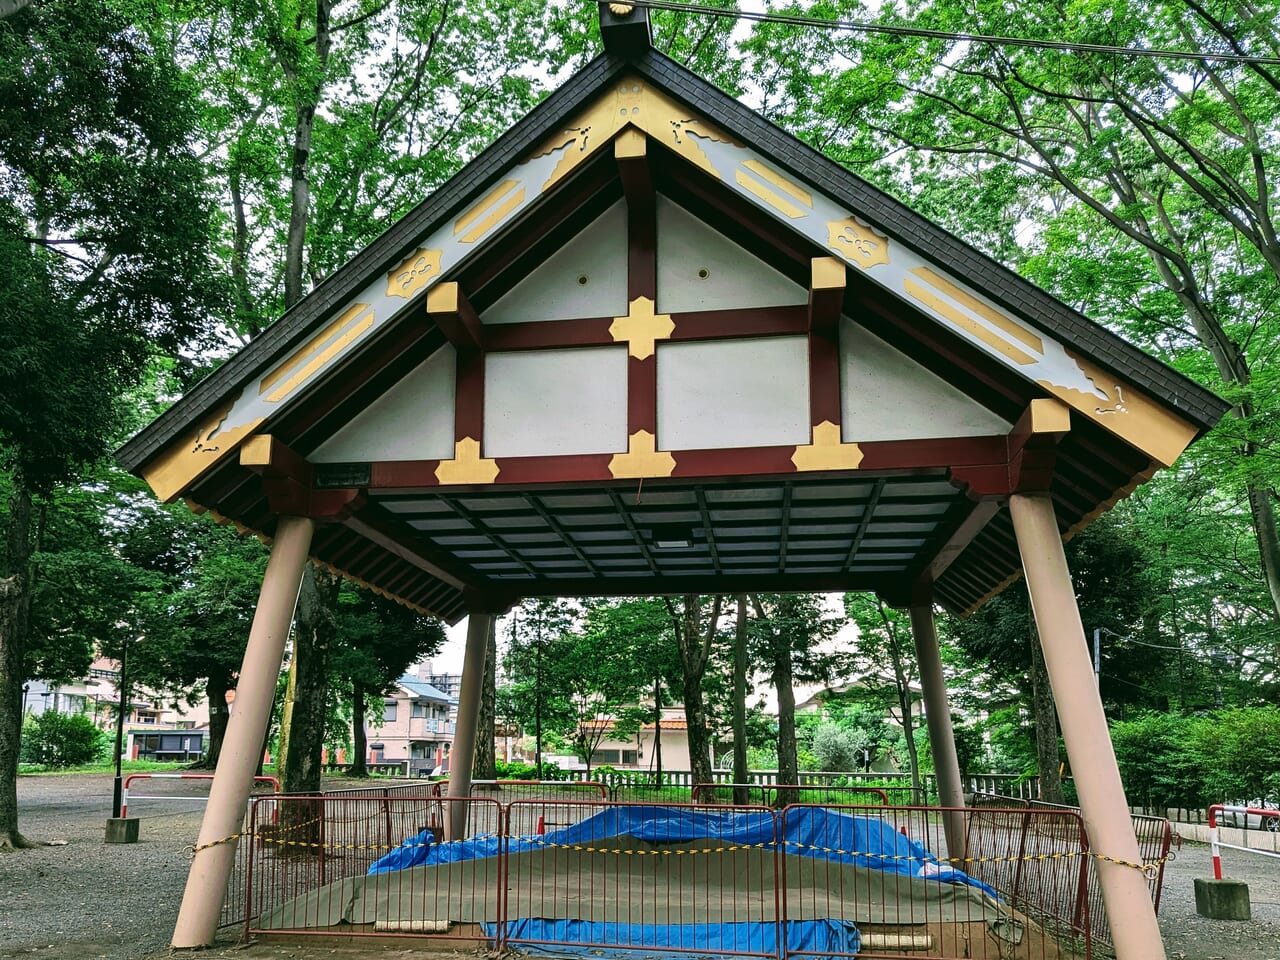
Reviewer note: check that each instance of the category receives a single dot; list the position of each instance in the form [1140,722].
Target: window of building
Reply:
[624,757]
[419,710]
[389,711]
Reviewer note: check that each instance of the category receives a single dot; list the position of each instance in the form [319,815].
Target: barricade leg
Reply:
[223,817]
[1084,728]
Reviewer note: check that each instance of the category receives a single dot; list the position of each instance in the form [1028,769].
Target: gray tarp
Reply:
[556,883]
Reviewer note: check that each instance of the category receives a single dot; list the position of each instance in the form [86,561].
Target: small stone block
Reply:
[1222,899]
[122,829]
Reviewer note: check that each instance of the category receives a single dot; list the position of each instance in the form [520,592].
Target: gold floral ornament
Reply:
[415,272]
[860,245]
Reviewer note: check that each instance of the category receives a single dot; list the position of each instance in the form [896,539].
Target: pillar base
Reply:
[122,829]
[1223,899]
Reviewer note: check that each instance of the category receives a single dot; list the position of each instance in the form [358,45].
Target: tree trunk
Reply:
[302,765]
[15,610]
[657,732]
[286,709]
[784,683]
[537,707]
[359,738]
[695,648]
[1046,721]
[486,752]
[909,729]
[216,687]
[740,771]
[299,175]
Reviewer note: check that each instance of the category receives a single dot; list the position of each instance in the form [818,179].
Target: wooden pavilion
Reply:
[648,343]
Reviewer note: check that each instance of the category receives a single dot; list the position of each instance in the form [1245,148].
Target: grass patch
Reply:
[128,766]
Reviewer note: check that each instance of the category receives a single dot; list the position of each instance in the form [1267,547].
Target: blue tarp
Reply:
[642,941]
[810,831]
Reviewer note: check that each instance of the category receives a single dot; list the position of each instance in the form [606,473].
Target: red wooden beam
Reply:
[450,310]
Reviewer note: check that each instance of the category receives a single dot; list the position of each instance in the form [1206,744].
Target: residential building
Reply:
[417,724]
[97,695]
[638,753]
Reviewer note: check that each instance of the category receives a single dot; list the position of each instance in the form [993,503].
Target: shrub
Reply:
[1173,760]
[519,770]
[1158,761]
[838,748]
[1237,750]
[62,740]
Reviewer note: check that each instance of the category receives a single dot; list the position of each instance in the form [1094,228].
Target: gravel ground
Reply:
[85,899]
[1189,936]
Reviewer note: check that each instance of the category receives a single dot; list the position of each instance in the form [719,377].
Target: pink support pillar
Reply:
[942,738]
[462,758]
[255,690]
[1084,728]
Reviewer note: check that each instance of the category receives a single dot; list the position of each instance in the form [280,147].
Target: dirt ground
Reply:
[84,900]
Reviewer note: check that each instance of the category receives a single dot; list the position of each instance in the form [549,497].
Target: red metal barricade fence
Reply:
[767,794]
[233,903]
[667,879]
[1155,842]
[131,778]
[309,874]
[893,897]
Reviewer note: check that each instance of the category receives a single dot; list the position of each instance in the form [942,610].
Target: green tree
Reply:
[532,695]
[885,664]
[792,634]
[694,637]
[1140,189]
[96,114]
[375,641]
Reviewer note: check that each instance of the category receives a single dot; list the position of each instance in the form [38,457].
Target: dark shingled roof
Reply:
[1035,306]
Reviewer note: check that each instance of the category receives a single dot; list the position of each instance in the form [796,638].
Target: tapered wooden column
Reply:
[242,743]
[462,758]
[1084,728]
[942,738]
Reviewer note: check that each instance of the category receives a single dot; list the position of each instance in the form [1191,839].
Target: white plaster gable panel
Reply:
[885,395]
[411,421]
[717,394]
[587,277]
[702,269]
[555,402]
[390,294]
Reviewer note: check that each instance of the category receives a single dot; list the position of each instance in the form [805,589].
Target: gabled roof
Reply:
[522,526]
[423,691]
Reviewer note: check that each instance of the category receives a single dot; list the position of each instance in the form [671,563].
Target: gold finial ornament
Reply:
[621,9]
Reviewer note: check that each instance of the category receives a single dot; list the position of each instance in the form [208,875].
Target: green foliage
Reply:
[96,115]
[971,751]
[1180,760]
[62,740]
[1238,751]
[838,748]
[519,770]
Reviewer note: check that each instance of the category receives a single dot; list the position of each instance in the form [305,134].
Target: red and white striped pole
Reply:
[1214,850]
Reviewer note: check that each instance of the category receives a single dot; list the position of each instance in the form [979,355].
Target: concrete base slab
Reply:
[1222,899]
[122,829]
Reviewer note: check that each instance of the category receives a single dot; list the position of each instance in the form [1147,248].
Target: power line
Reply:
[859,26]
